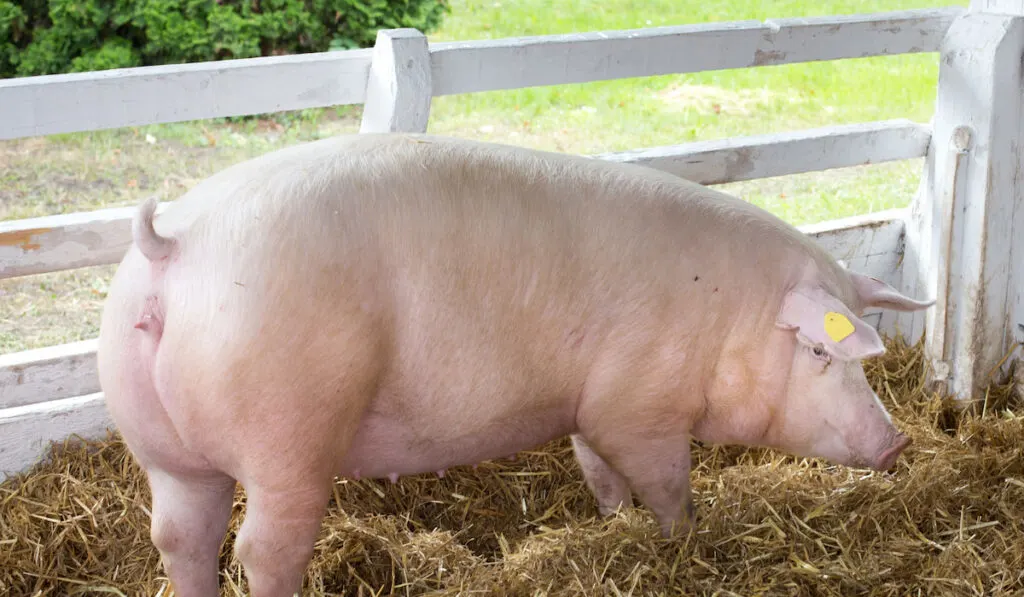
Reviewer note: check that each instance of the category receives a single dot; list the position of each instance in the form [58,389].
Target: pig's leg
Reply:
[275,543]
[658,470]
[609,487]
[190,519]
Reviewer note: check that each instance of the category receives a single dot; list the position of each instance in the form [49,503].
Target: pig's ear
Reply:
[876,293]
[817,317]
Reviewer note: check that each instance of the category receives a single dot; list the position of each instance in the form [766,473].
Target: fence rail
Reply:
[101,237]
[77,102]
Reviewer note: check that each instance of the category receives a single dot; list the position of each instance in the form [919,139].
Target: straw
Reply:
[946,522]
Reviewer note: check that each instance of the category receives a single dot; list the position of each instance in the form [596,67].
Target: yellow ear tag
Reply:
[837,326]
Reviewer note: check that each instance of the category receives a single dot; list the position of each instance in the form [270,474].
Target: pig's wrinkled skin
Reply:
[385,305]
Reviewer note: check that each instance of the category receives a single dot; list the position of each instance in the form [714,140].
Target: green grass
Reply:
[66,173]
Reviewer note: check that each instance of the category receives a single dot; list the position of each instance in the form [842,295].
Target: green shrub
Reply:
[40,37]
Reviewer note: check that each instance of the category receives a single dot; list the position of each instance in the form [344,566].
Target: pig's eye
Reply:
[820,352]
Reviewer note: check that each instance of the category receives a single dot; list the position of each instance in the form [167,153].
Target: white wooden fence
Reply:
[956,241]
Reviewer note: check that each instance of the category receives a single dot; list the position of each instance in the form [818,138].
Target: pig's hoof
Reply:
[691,511]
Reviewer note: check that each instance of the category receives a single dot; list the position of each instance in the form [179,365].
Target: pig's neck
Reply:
[747,389]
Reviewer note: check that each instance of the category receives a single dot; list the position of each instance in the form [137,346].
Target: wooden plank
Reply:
[116,98]
[26,431]
[66,241]
[1008,7]
[398,90]
[964,234]
[512,63]
[779,154]
[48,373]
[45,105]
[101,237]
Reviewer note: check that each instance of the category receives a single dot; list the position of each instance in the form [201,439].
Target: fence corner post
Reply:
[399,88]
[961,248]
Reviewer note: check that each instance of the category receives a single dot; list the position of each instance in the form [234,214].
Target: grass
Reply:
[67,173]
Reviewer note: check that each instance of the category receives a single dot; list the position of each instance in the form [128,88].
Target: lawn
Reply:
[67,173]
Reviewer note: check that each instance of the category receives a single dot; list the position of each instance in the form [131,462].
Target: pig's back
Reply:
[482,253]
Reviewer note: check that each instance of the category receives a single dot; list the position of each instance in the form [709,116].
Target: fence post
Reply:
[961,245]
[399,88]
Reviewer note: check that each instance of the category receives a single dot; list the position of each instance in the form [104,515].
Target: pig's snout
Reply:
[887,457]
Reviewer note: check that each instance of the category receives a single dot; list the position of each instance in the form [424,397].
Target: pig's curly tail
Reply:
[152,245]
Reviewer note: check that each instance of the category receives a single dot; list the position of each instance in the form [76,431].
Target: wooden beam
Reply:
[97,100]
[27,431]
[48,373]
[780,154]
[75,102]
[101,237]
[66,241]
[398,90]
[964,241]
[513,63]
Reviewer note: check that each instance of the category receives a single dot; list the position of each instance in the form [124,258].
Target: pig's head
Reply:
[830,410]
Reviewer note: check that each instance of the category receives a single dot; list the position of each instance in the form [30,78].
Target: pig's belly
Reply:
[387,447]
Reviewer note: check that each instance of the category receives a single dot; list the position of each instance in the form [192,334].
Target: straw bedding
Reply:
[947,522]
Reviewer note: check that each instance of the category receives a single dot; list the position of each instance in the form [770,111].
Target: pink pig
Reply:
[383,305]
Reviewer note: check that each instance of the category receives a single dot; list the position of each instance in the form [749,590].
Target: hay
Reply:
[948,522]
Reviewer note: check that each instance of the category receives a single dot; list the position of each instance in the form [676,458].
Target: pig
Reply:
[378,305]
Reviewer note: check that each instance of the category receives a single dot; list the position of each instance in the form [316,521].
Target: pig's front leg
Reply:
[609,487]
[658,470]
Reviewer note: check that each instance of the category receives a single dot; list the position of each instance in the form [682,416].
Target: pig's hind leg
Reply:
[191,500]
[610,489]
[290,445]
[190,518]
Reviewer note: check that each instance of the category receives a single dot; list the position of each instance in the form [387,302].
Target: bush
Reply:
[39,37]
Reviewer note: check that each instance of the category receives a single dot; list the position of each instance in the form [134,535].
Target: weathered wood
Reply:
[26,431]
[1015,298]
[116,98]
[1009,7]
[398,88]
[101,237]
[91,101]
[66,241]
[487,65]
[960,236]
[779,154]
[869,244]
[49,373]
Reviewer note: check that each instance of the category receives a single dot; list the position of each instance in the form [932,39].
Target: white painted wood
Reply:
[66,241]
[961,227]
[487,65]
[26,431]
[1009,7]
[90,101]
[869,244]
[49,373]
[101,237]
[1015,299]
[779,154]
[398,89]
[75,102]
